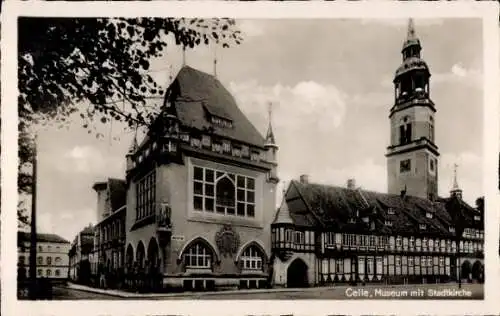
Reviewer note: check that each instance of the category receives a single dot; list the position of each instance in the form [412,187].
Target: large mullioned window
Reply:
[252,258]
[146,195]
[198,256]
[223,193]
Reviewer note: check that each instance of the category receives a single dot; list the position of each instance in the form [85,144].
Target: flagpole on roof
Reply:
[215,60]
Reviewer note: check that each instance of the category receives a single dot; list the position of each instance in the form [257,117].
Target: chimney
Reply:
[351,184]
[304,179]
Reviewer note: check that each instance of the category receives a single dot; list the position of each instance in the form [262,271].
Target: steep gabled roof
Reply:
[340,208]
[197,95]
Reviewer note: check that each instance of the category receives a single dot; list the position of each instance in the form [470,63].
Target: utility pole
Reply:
[33,239]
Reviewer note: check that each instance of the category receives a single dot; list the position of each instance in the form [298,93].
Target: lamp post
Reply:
[33,235]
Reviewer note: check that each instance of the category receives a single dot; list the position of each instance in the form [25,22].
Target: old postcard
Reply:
[331,154]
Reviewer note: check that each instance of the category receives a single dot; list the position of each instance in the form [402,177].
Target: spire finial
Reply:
[455,181]
[270,135]
[411,29]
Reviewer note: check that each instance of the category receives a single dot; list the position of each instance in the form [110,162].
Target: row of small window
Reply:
[200,256]
[223,147]
[110,231]
[223,192]
[473,233]
[47,248]
[146,196]
[345,265]
[399,242]
[23,260]
[291,236]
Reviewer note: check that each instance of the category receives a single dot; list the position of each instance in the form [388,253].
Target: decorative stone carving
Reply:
[227,240]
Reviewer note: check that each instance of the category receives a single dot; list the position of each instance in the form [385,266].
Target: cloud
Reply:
[404,22]
[295,108]
[251,28]
[90,160]
[458,73]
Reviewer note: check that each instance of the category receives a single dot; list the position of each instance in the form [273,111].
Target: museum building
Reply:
[326,234]
[200,191]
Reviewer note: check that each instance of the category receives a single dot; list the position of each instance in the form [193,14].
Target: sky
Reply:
[331,85]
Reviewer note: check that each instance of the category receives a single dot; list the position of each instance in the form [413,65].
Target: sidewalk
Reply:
[130,295]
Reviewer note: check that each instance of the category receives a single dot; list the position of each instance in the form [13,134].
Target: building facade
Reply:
[201,191]
[325,234]
[79,255]
[107,259]
[52,260]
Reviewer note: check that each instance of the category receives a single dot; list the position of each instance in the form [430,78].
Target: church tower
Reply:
[412,156]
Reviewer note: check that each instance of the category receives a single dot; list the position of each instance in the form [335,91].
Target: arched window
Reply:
[198,256]
[58,260]
[22,260]
[58,272]
[40,260]
[252,258]
[225,196]
[48,272]
[39,272]
[49,261]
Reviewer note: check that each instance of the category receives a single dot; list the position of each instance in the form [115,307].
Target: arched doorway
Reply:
[140,255]
[465,270]
[153,252]
[129,258]
[476,270]
[297,274]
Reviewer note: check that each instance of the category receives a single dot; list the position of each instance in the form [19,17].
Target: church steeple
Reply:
[455,189]
[412,156]
[271,147]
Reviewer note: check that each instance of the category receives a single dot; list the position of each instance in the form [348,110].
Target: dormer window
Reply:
[452,229]
[388,223]
[428,215]
[352,220]
[236,152]
[226,146]
[255,156]
[245,151]
[205,140]
[221,122]
[365,219]
[390,211]
[195,142]
[422,226]
[477,218]
[185,137]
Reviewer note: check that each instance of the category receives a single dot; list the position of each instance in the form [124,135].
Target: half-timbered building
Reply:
[328,234]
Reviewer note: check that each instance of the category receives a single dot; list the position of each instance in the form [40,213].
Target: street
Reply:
[429,291]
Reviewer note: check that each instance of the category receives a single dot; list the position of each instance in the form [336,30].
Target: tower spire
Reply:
[411,29]
[455,189]
[270,135]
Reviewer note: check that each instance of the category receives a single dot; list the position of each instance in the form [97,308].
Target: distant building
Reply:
[80,254]
[325,234]
[52,260]
[109,232]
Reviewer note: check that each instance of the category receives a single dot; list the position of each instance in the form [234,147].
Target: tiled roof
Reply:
[343,209]
[197,95]
[25,236]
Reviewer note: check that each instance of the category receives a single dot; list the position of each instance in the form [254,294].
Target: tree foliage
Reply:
[99,68]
